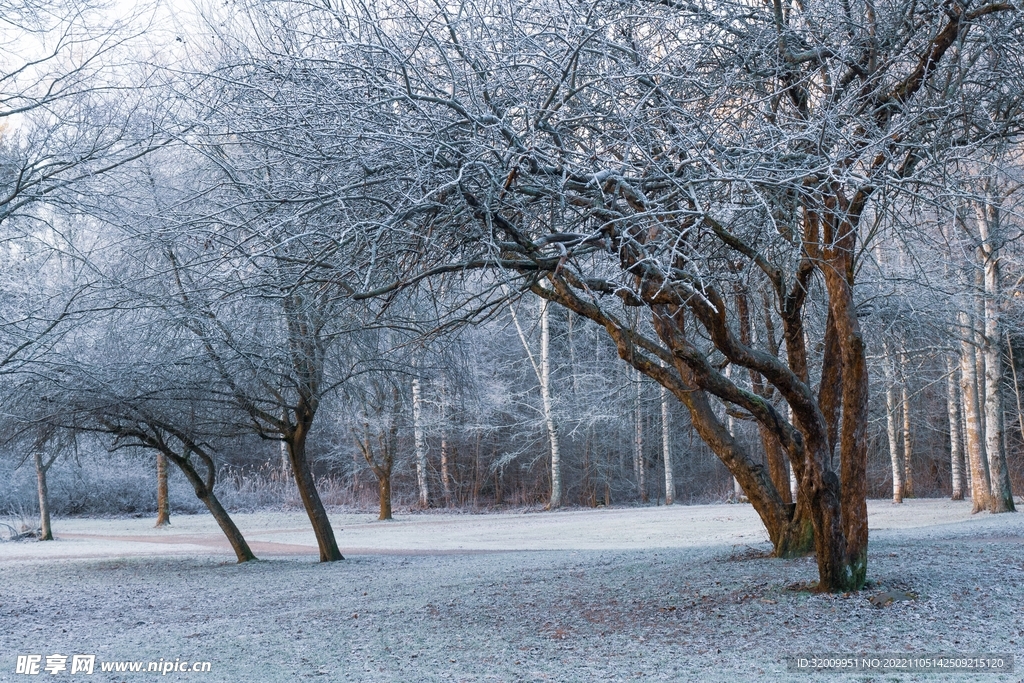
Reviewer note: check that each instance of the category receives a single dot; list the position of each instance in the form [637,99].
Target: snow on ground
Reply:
[675,594]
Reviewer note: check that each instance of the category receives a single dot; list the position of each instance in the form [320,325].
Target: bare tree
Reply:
[376,435]
[778,167]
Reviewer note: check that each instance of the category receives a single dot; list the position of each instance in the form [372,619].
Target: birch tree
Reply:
[541,364]
[892,430]
[956,443]
[420,444]
[666,448]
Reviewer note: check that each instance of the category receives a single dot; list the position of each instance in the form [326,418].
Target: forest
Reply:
[482,254]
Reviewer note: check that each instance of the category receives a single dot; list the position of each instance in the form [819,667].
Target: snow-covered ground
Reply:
[677,594]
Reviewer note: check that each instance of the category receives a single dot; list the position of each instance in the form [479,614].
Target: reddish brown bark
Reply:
[163,507]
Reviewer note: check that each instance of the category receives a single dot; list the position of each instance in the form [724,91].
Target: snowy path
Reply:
[288,533]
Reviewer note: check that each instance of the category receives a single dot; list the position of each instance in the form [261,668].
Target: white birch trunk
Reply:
[543,372]
[972,417]
[891,417]
[908,462]
[445,475]
[666,449]
[956,444]
[420,444]
[639,471]
[545,394]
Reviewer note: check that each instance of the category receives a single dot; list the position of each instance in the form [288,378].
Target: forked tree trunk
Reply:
[420,445]
[45,533]
[790,528]
[956,444]
[310,497]
[163,506]
[973,425]
[790,531]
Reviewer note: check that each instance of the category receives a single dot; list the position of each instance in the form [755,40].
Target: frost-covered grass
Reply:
[675,594]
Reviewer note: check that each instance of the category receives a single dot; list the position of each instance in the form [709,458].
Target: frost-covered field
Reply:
[677,594]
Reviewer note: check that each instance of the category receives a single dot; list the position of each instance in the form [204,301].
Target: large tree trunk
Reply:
[956,444]
[306,485]
[790,528]
[420,445]
[163,506]
[545,393]
[846,567]
[46,533]
[891,416]
[972,417]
